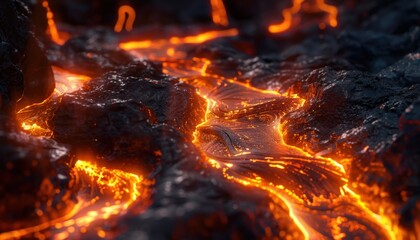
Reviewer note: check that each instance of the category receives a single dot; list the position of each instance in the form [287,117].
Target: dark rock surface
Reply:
[36,184]
[25,71]
[193,201]
[113,114]
[92,53]
[360,81]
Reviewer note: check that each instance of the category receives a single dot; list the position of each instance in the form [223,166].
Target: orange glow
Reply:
[123,185]
[331,10]
[52,27]
[67,82]
[196,74]
[288,15]
[287,196]
[382,219]
[126,16]
[124,189]
[218,13]
[36,130]
[174,41]
[258,184]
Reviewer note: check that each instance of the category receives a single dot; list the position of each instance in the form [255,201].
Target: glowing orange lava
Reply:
[218,13]
[297,204]
[123,185]
[65,82]
[126,16]
[68,82]
[52,27]
[120,190]
[318,6]
[174,41]
[331,10]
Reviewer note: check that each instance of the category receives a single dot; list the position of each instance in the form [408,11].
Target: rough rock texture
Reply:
[92,53]
[193,201]
[401,158]
[36,184]
[25,70]
[361,82]
[12,46]
[113,114]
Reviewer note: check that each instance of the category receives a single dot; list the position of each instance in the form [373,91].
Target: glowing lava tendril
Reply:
[175,41]
[126,17]
[119,190]
[218,13]
[52,27]
[318,6]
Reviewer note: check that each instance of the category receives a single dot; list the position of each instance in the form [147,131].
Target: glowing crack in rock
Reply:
[65,82]
[118,191]
[242,136]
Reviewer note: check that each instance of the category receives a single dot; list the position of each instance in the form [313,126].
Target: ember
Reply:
[209,119]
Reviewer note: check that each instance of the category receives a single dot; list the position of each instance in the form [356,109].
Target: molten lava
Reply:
[52,27]
[289,15]
[242,136]
[126,17]
[218,13]
[65,82]
[175,41]
[118,190]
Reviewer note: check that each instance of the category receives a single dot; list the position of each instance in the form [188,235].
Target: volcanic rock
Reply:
[192,200]
[91,53]
[36,183]
[25,71]
[113,115]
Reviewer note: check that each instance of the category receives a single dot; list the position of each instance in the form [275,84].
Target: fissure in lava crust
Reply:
[209,119]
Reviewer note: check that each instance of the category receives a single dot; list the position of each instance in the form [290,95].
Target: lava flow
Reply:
[105,192]
[175,41]
[242,136]
[118,190]
[204,139]
[289,15]
[65,82]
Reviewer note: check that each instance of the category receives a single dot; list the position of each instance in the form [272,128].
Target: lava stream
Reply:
[118,190]
[243,137]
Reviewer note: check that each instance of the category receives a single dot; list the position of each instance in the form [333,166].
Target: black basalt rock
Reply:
[36,183]
[91,53]
[26,73]
[113,115]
